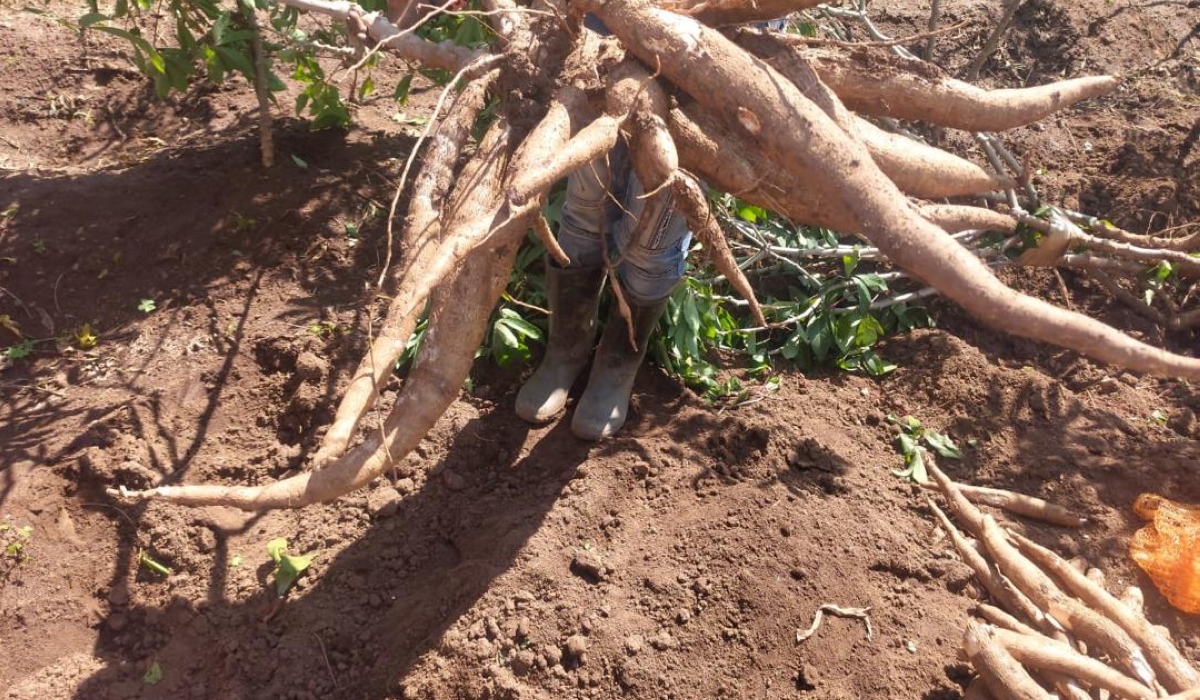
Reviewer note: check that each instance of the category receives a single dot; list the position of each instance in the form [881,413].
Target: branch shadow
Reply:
[420,569]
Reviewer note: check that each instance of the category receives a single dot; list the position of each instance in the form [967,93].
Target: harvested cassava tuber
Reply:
[1006,679]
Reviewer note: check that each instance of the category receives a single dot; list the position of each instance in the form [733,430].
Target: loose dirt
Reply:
[502,561]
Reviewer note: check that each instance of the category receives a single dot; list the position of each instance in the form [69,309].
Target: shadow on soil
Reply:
[421,569]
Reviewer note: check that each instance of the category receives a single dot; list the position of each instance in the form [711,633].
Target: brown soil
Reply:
[500,561]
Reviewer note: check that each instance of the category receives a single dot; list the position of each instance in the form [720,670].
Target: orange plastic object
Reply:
[1168,549]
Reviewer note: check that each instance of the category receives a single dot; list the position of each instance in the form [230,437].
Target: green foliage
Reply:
[510,336]
[147,306]
[153,675]
[288,567]
[825,308]
[909,440]
[20,351]
[205,35]
[14,540]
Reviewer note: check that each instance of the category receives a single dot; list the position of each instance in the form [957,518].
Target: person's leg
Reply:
[573,294]
[652,241]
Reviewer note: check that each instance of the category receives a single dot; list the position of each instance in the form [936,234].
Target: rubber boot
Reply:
[605,402]
[574,296]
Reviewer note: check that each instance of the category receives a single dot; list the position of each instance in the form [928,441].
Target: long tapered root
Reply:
[774,123]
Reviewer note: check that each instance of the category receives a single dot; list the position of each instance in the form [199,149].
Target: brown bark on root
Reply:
[788,143]
[1173,669]
[1049,655]
[1006,679]
[793,131]
[1098,632]
[457,322]
[871,82]
[719,13]
[999,588]
[422,229]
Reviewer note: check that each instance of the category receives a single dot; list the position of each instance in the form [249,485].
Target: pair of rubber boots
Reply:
[574,302]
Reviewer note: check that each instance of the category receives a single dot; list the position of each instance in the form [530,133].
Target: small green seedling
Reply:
[153,675]
[146,306]
[909,442]
[147,561]
[15,549]
[20,351]
[288,567]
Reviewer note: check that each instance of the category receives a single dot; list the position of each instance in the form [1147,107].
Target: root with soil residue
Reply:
[770,121]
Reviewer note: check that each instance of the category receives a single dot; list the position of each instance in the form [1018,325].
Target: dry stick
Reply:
[1174,670]
[1068,234]
[262,90]
[1021,504]
[1097,631]
[1004,675]
[935,13]
[873,42]
[993,40]
[1044,653]
[1128,298]
[1105,229]
[423,227]
[1001,590]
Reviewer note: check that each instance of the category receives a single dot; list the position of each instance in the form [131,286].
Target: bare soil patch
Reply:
[501,561]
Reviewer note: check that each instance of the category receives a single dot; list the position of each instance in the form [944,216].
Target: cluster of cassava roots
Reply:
[775,120]
[1054,629]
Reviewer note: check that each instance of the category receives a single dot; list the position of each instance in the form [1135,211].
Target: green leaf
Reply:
[146,306]
[289,569]
[220,27]
[238,59]
[942,444]
[92,18]
[299,162]
[400,94]
[276,549]
[868,331]
[153,675]
[367,88]
[850,263]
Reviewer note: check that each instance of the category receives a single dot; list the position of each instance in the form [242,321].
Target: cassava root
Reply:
[791,141]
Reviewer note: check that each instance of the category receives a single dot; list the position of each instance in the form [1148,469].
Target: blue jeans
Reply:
[646,239]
